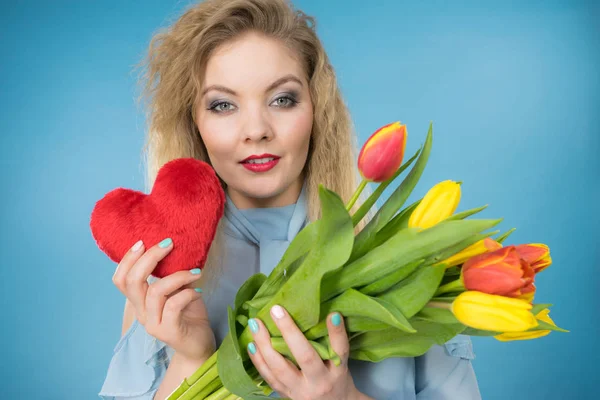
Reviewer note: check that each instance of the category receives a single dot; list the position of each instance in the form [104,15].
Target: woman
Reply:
[247,86]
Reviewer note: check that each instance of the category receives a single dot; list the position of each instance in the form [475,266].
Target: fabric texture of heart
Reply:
[185,204]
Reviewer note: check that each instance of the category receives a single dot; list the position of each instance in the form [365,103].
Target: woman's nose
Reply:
[257,126]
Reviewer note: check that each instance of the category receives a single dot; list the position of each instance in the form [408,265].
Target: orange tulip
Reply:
[382,154]
[501,272]
[536,254]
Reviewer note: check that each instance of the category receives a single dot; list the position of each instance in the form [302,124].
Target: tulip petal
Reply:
[439,203]
[382,154]
[493,313]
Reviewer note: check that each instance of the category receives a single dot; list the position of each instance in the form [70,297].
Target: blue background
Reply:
[514,93]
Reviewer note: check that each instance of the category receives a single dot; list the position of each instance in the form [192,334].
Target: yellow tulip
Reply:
[493,313]
[542,316]
[439,203]
[481,247]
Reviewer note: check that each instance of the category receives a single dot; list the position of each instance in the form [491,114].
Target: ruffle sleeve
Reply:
[137,367]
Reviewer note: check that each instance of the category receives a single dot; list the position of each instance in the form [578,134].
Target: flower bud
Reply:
[493,313]
[536,254]
[500,272]
[481,247]
[439,203]
[542,316]
[382,154]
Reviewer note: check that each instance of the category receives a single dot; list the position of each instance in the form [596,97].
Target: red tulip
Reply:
[501,272]
[381,155]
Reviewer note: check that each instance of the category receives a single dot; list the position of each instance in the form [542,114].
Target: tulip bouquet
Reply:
[413,277]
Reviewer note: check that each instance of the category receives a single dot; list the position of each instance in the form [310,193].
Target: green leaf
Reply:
[390,280]
[506,234]
[387,258]
[366,206]
[379,345]
[330,251]
[452,272]
[232,328]
[248,290]
[367,236]
[257,303]
[458,247]
[354,303]
[539,307]
[364,324]
[233,372]
[400,221]
[478,332]
[543,325]
[301,244]
[411,295]
[446,298]
[465,214]
[281,347]
[439,315]
[242,319]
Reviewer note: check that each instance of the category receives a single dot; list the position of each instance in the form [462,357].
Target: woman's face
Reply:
[256,103]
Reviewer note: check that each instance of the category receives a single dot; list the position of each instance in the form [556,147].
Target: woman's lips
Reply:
[263,167]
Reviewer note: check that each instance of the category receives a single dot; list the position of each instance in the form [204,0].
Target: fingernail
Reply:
[336,319]
[252,347]
[196,271]
[138,245]
[277,312]
[253,325]
[165,243]
[198,290]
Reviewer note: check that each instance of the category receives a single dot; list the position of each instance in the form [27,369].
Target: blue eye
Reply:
[289,101]
[214,107]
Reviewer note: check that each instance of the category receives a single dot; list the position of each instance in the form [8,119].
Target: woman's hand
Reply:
[316,379]
[170,309]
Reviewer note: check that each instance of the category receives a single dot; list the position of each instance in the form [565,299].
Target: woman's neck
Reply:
[287,197]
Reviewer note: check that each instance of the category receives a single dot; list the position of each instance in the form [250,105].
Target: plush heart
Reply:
[185,204]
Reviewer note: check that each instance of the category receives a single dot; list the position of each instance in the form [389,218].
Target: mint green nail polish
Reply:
[336,319]
[252,348]
[198,290]
[196,271]
[165,243]
[253,325]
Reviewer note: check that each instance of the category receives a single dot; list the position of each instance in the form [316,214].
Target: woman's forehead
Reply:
[252,62]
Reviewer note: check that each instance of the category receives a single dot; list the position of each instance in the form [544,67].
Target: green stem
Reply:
[208,389]
[356,194]
[207,381]
[191,380]
[219,394]
[439,304]
[454,286]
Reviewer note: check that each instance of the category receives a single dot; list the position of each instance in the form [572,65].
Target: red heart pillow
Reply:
[186,204]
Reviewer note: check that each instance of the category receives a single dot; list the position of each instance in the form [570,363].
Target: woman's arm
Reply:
[179,369]
[128,317]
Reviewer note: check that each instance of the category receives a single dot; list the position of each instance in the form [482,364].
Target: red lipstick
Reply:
[261,166]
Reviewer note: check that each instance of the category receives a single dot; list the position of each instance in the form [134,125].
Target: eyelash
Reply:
[292,103]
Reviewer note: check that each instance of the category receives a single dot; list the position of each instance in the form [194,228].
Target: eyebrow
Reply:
[272,86]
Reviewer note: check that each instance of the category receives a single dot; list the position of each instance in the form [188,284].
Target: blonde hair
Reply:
[172,79]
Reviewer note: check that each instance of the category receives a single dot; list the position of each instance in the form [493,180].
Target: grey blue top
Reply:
[255,240]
